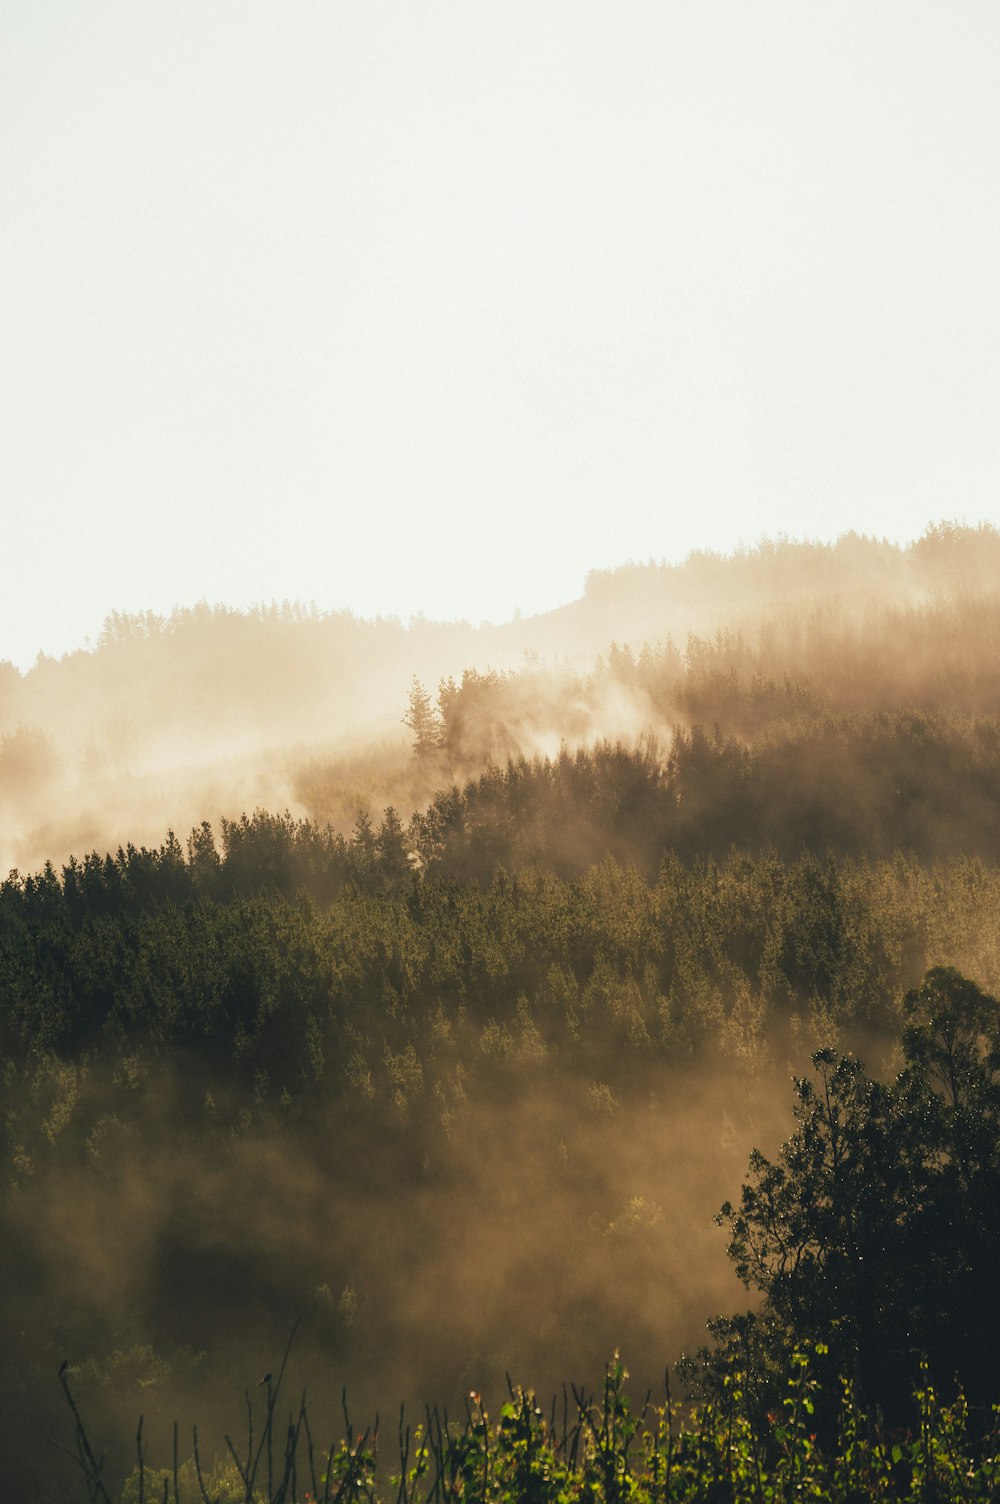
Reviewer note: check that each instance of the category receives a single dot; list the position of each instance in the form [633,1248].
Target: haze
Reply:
[432,309]
[445,1017]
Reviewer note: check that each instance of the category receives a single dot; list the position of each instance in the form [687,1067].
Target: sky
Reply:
[434,305]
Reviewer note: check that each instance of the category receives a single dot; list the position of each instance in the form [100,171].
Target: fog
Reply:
[531,1237]
[170,1219]
[210,712]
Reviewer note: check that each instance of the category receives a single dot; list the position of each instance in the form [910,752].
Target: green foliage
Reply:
[595,1451]
[878,1223]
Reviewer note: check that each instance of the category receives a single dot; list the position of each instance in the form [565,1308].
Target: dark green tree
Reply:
[391,853]
[877,1228]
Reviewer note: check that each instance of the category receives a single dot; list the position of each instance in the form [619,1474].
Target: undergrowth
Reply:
[582,1449]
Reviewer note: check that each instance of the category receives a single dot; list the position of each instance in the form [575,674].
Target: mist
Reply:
[210,712]
[428,987]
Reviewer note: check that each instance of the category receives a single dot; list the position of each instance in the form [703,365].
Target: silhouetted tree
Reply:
[877,1229]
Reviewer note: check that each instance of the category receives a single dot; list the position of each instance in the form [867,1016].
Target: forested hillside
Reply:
[454,1053]
[167,721]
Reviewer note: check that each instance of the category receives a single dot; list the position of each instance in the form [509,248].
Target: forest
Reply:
[454,1009]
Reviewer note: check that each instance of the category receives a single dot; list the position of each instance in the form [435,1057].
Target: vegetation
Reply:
[876,1227]
[461,1080]
[587,1450]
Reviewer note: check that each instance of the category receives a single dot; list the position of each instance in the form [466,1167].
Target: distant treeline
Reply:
[863,785]
[939,658]
[213,710]
[808,628]
[950,556]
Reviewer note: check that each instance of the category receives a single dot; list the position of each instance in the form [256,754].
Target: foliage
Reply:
[595,1450]
[878,1222]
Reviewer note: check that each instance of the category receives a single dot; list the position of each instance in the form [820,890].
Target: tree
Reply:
[877,1229]
[423,722]
[363,851]
[391,851]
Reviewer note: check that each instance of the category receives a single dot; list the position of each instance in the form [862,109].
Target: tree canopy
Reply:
[876,1227]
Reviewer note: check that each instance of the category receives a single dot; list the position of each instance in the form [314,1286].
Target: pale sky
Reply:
[405,305]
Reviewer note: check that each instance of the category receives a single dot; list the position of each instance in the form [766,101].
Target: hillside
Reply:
[453,1050]
[210,712]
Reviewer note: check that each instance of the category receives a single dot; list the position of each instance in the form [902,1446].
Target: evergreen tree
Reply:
[423,722]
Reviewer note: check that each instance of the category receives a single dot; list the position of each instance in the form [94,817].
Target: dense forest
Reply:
[447,1049]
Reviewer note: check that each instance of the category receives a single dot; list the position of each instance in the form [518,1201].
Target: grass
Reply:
[581,1449]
